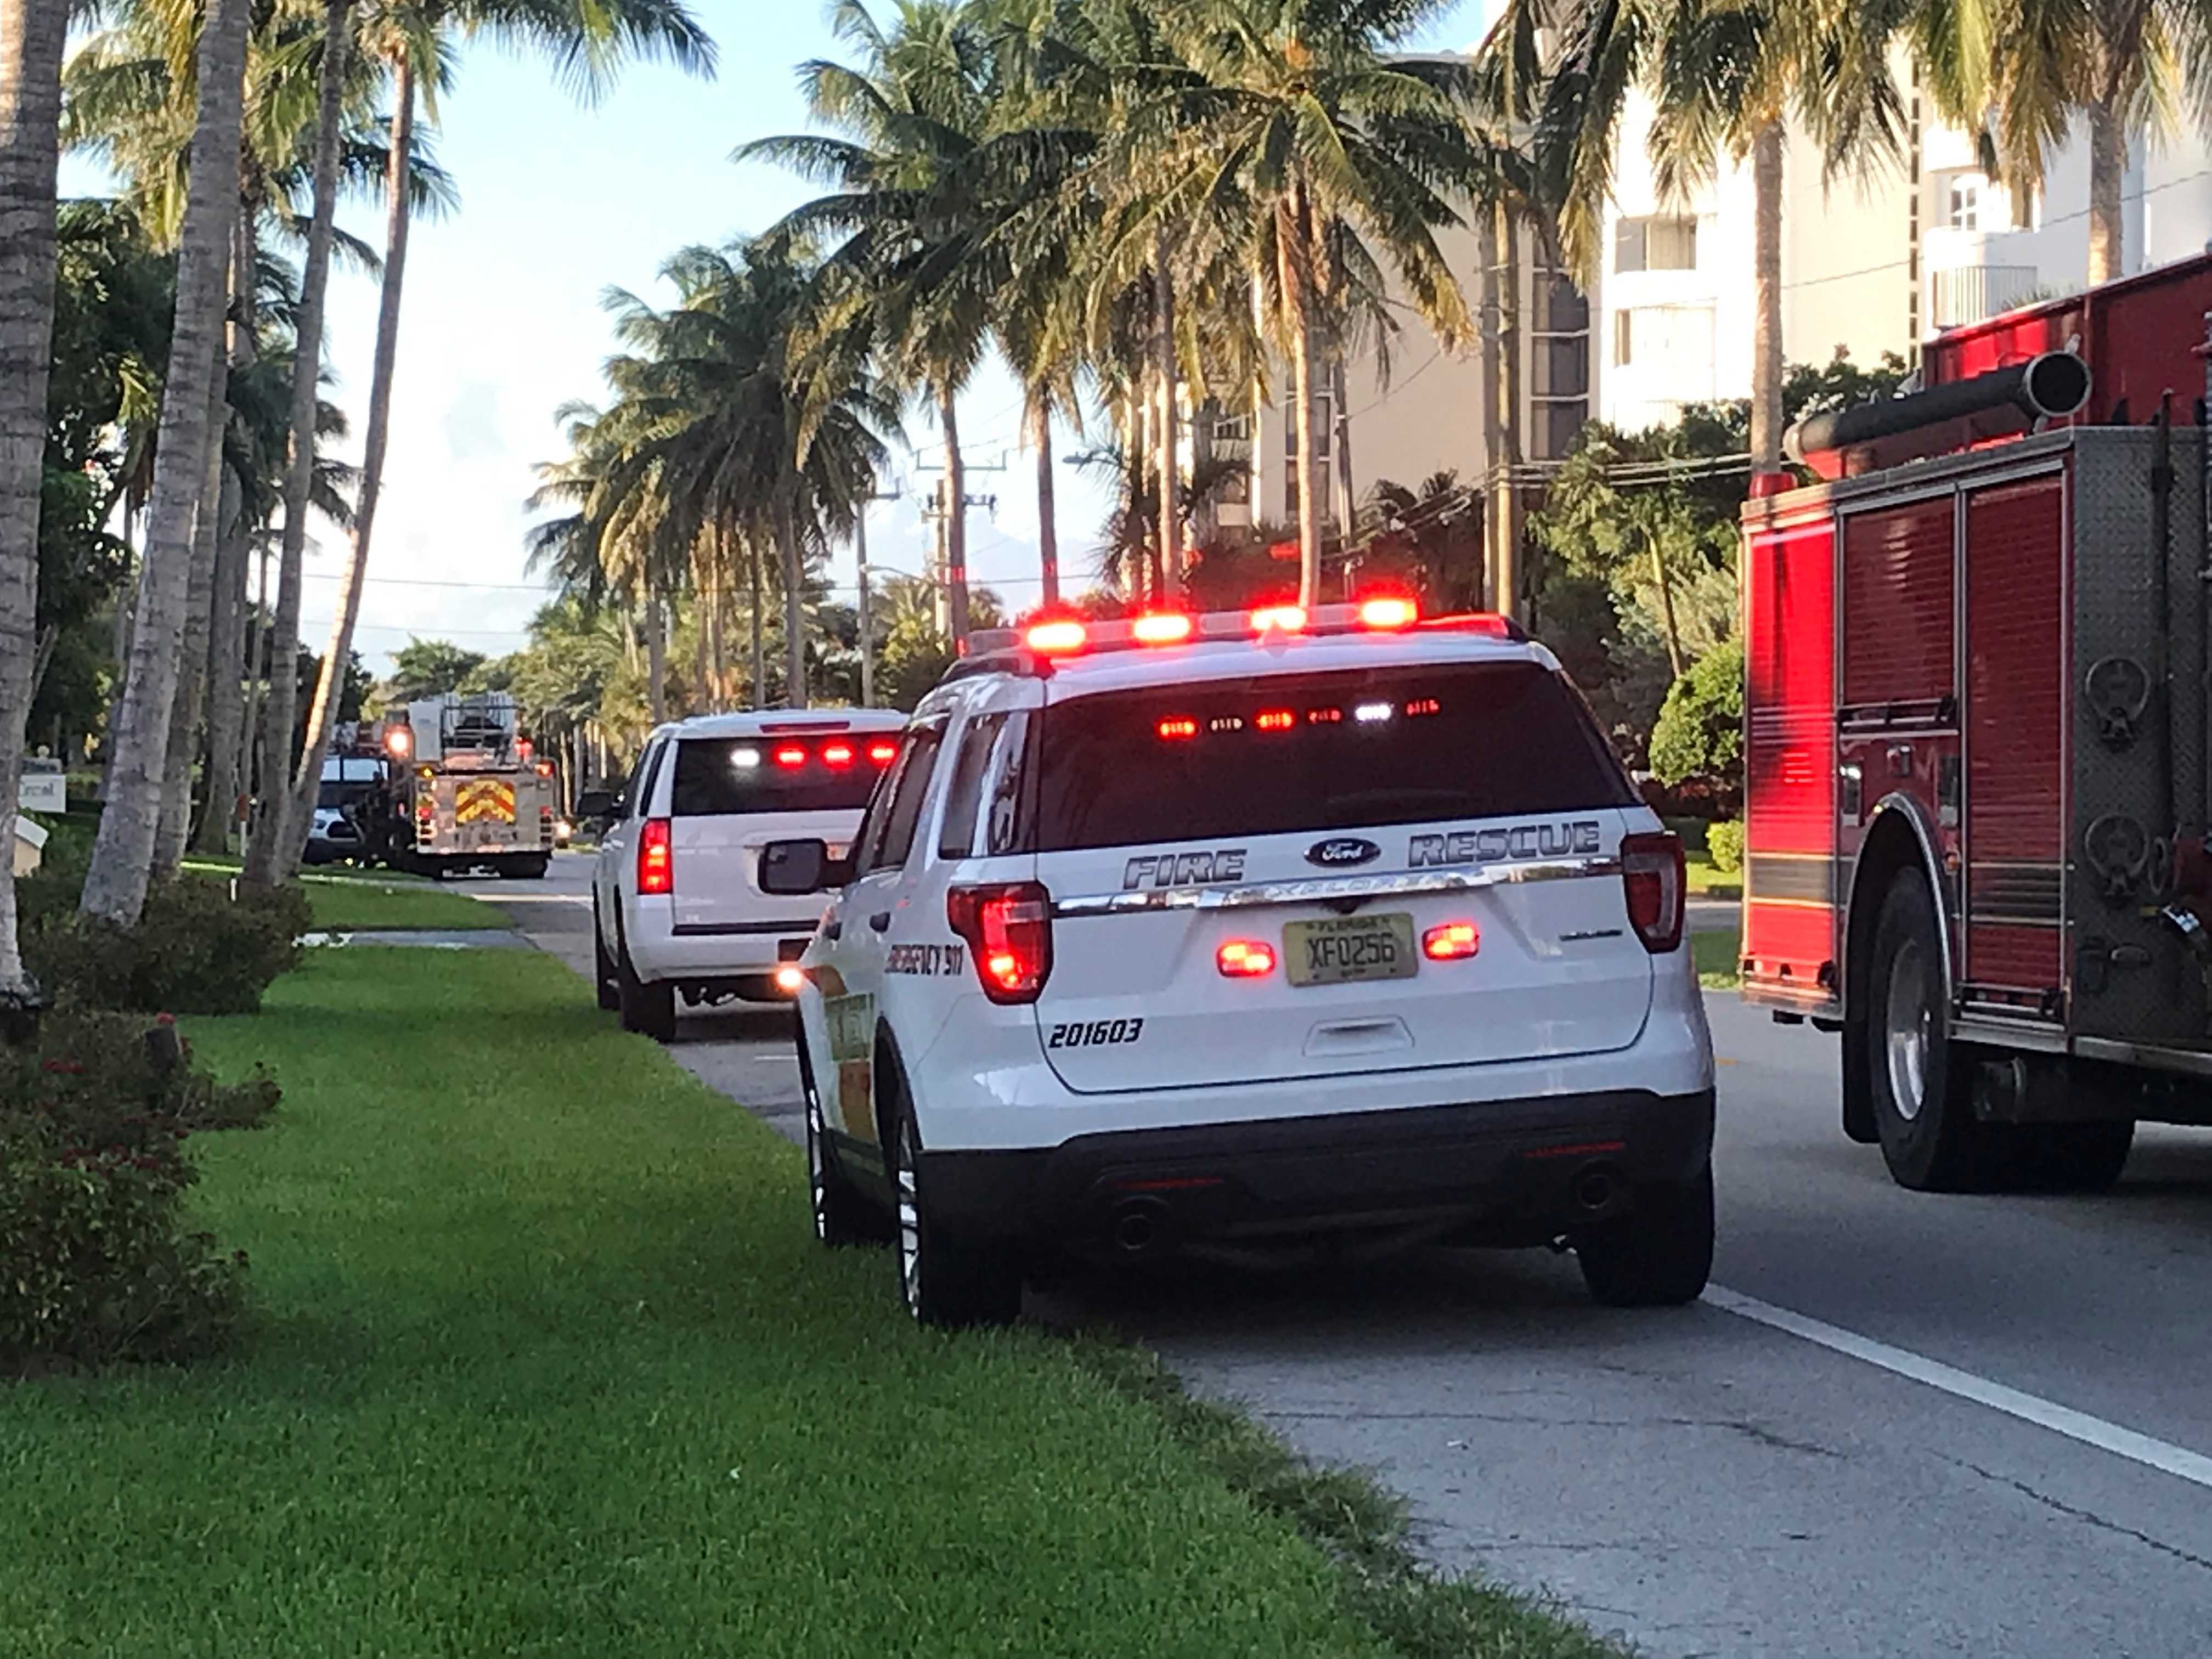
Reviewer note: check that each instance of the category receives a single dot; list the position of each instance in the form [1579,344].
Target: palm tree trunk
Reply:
[190,702]
[2108,171]
[250,765]
[1047,525]
[330,686]
[1163,307]
[760,637]
[1766,300]
[1296,289]
[115,887]
[656,653]
[1506,516]
[32,34]
[1675,662]
[226,678]
[794,604]
[956,519]
[1348,500]
[267,861]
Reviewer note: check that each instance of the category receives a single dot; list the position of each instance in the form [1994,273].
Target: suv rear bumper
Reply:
[1503,1171]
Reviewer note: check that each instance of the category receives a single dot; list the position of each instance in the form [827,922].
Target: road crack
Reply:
[2075,1512]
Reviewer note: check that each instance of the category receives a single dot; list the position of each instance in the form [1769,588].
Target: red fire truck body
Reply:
[1976,788]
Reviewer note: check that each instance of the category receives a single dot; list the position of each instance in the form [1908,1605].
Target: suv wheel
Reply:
[1659,1254]
[603,977]
[843,1214]
[1924,1109]
[944,1280]
[649,1010]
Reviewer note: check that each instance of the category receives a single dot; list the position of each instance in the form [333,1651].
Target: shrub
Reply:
[1700,729]
[196,950]
[1724,846]
[96,1070]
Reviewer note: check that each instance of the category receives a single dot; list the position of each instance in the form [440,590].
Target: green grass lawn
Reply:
[1719,957]
[1704,881]
[347,900]
[548,1362]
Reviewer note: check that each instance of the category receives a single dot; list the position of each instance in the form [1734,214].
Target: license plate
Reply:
[1340,950]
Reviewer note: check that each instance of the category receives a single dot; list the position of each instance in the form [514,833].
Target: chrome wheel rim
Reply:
[909,1225]
[1906,1029]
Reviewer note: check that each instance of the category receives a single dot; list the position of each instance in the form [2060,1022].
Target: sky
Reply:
[502,322]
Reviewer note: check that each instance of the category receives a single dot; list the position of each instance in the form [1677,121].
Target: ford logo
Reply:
[1342,851]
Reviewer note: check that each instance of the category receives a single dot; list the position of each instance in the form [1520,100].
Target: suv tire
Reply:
[1922,1082]
[603,966]
[843,1214]
[647,1010]
[944,1280]
[1659,1254]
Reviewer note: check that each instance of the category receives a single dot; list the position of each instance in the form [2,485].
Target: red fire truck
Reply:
[1975,743]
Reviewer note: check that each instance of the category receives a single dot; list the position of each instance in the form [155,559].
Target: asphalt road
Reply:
[1897,1424]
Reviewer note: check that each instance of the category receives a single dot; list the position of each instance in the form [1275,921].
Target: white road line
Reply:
[2029,1408]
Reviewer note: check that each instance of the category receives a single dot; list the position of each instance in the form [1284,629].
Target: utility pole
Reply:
[867,639]
[951,580]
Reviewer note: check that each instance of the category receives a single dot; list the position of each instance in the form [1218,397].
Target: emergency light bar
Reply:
[1066,636]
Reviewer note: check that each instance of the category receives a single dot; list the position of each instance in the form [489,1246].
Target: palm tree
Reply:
[115,886]
[588,40]
[32,34]
[1293,123]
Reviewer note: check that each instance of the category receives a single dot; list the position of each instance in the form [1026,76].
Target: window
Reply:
[1964,209]
[1558,425]
[637,793]
[726,777]
[900,806]
[1324,446]
[1559,368]
[1559,306]
[1668,341]
[963,795]
[1655,244]
[1624,338]
[1283,754]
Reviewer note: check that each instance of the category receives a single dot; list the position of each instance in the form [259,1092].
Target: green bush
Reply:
[1700,729]
[1724,846]
[94,1115]
[195,951]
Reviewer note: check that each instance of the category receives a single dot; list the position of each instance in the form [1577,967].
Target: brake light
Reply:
[545,768]
[1389,613]
[656,859]
[788,979]
[837,754]
[1008,928]
[1452,942]
[1274,720]
[882,754]
[1161,629]
[1181,726]
[1651,875]
[1053,637]
[791,758]
[1279,619]
[1245,958]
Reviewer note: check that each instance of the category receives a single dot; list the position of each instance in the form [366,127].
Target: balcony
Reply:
[1967,294]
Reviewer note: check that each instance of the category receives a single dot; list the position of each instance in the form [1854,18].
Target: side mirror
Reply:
[595,804]
[793,869]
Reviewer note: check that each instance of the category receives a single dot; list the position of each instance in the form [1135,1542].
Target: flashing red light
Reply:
[791,757]
[1179,727]
[399,742]
[1279,619]
[1389,613]
[545,768]
[1324,716]
[1163,628]
[1245,958]
[837,754]
[1052,638]
[1008,929]
[882,754]
[656,859]
[1274,720]
[524,747]
[1424,705]
[1453,942]
[1652,877]
[789,978]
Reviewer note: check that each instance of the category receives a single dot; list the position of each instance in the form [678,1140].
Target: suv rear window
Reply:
[1280,754]
[716,777]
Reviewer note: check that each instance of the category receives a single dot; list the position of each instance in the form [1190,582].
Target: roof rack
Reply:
[1027,650]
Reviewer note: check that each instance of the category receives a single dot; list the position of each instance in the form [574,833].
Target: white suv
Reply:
[1226,932]
[677,905]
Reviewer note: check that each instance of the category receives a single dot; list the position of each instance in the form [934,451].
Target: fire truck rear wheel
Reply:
[527,868]
[2079,1157]
[1923,1096]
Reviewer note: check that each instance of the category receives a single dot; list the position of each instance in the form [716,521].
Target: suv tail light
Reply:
[1008,927]
[1651,874]
[656,860]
